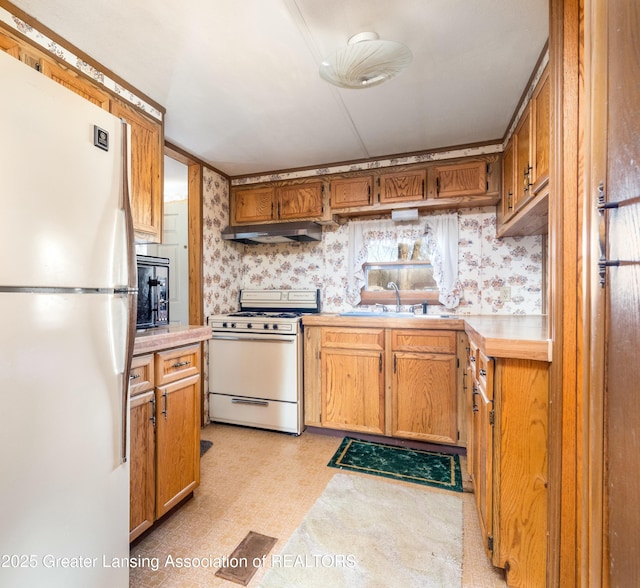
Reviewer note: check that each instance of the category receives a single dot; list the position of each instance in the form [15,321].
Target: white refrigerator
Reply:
[67,290]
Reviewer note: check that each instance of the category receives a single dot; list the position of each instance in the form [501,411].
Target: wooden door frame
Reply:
[195,206]
[566,489]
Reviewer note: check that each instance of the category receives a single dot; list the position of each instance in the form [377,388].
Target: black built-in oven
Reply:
[153,291]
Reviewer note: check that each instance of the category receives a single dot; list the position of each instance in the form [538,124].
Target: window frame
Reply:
[406,296]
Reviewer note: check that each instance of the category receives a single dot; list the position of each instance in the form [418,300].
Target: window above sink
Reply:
[414,279]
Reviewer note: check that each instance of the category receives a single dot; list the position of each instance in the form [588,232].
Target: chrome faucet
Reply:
[395,287]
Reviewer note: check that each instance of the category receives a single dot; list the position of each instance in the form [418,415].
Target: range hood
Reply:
[274,233]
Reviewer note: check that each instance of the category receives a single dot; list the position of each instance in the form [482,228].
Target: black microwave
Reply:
[153,291]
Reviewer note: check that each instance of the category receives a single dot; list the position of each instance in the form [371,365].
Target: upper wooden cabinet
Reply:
[75,83]
[347,192]
[253,205]
[299,201]
[146,172]
[541,112]
[10,46]
[277,202]
[406,186]
[508,178]
[461,179]
[525,182]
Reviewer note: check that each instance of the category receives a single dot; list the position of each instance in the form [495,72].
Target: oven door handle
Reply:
[260,339]
[252,402]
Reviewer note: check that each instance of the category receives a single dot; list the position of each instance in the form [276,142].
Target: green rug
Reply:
[441,470]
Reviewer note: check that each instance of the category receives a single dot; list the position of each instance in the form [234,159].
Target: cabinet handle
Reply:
[153,410]
[464,380]
[395,363]
[164,412]
[423,188]
[473,359]
[134,376]
[483,372]
[180,364]
[380,363]
[509,200]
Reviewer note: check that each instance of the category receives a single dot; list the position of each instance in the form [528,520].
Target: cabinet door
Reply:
[10,46]
[178,442]
[349,192]
[482,473]
[424,397]
[523,166]
[75,83]
[508,180]
[542,128]
[142,463]
[299,201]
[520,467]
[461,179]
[146,172]
[403,186]
[252,205]
[353,390]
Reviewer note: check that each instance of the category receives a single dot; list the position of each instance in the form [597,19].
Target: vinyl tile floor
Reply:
[262,481]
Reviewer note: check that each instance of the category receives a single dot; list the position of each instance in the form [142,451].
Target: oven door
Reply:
[254,365]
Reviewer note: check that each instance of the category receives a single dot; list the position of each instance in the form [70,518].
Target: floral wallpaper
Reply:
[486,264]
[222,260]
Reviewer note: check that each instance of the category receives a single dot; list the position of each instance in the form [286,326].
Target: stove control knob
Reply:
[224,325]
[266,326]
[275,326]
[249,326]
[233,325]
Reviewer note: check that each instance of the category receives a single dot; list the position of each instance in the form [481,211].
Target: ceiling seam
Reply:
[301,23]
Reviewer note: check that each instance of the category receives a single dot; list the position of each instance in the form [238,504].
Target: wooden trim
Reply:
[372,159]
[36,24]
[594,536]
[527,89]
[195,204]
[565,251]
[183,156]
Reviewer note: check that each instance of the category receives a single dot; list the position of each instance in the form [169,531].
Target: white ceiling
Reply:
[240,82]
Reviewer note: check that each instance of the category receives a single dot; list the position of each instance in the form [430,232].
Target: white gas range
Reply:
[255,360]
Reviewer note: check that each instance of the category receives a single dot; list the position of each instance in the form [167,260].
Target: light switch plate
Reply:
[505,293]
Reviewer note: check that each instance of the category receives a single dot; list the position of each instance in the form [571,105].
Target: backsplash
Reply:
[486,263]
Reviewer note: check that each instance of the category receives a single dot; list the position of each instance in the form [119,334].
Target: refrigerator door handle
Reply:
[132,293]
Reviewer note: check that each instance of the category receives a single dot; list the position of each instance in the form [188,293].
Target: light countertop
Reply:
[510,336]
[159,338]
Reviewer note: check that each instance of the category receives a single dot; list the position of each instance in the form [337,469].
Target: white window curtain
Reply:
[371,241]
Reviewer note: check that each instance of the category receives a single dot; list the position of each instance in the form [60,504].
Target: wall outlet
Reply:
[505,293]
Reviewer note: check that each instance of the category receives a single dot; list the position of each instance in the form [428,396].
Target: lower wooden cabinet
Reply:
[507,454]
[142,498]
[164,433]
[423,385]
[177,442]
[392,382]
[352,373]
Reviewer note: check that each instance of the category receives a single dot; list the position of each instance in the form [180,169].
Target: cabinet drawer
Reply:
[423,341]
[353,338]
[141,376]
[176,364]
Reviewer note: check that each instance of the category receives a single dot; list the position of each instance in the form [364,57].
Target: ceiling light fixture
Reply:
[366,61]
